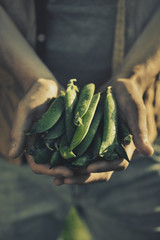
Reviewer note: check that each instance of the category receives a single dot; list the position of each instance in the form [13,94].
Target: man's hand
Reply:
[30,109]
[131,108]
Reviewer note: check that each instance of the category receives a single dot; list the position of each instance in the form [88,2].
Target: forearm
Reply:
[18,56]
[144,56]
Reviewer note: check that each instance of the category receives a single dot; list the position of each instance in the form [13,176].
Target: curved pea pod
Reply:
[49,144]
[120,150]
[95,146]
[65,152]
[90,155]
[82,130]
[56,159]
[109,137]
[124,135]
[40,153]
[83,104]
[70,102]
[57,130]
[50,117]
[83,146]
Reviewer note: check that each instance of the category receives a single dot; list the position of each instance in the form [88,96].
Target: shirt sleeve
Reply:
[22,14]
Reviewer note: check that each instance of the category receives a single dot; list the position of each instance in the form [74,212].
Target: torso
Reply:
[79,39]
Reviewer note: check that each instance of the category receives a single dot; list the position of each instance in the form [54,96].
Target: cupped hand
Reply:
[131,108]
[29,109]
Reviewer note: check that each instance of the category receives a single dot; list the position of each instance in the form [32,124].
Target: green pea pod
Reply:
[81,162]
[64,148]
[49,144]
[83,146]
[41,154]
[120,150]
[57,130]
[70,102]
[83,103]
[112,156]
[95,146]
[123,133]
[50,117]
[89,156]
[82,130]
[56,159]
[109,137]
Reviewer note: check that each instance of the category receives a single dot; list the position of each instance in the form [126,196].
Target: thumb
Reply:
[137,121]
[21,124]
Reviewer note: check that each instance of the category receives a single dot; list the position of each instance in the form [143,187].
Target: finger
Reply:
[106,166]
[137,121]
[21,125]
[59,171]
[81,171]
[133,111]
[113,165]
[88,178]
[58,181]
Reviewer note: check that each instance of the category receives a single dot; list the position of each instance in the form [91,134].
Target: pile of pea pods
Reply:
[78,128]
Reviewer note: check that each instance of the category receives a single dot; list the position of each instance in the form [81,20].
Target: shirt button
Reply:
[41,37]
